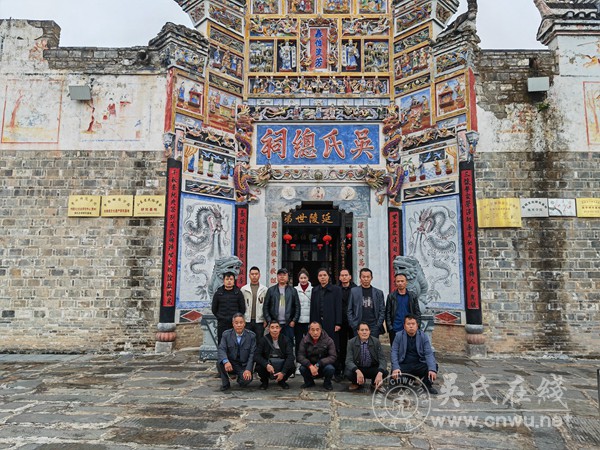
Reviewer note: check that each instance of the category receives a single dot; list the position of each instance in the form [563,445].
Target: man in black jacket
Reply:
[345,333]
[317,356]
[227,301]
[274,358]
[282,304]
[400,303]
[365,359]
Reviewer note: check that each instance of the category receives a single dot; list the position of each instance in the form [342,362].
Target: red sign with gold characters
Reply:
[470,239]
[171,237]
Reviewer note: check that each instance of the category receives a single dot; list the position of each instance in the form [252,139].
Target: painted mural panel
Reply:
[317,144]
[118,111]
[415,111]
[225,17]
[32,111]
[432,236]
[208,172]
[189,95]
[413,63]
[337,6]
[206,234]
[377,56]
[450,96]
[260,57]
[221,109]
[591,93]
[373,6]
[301,6]
[265,7]
[224,61]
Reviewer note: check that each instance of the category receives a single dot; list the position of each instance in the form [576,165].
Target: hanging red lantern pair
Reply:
[287,237]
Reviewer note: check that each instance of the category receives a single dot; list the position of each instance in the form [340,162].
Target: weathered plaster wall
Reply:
[77,284]
[540,283]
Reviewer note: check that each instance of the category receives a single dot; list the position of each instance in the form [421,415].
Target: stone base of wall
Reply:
[188,335]
[449,339]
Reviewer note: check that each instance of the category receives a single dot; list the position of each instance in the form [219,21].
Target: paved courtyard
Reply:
[172,401]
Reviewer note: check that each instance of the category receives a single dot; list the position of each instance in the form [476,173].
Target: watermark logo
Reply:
[403,405]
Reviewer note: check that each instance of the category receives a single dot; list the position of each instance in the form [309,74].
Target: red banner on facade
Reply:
[171,237]
[470,239]
[318,49]
[241,241]
[394,240]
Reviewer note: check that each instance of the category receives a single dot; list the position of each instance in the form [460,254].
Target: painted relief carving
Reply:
[265,6]
[285,27]
[376,56]
[372,6]
[451,96]
[221,37]
[225,17]
[225,61]
[260,56]
[301,6]
[357,26]
[413,17]
[336,6]
[351,60]
[412,63]
[415,111]
[286,57]
[411,40]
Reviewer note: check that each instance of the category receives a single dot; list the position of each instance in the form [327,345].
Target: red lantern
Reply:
[327,239]
[293,246]
[319,246]
[349,236]
[287,237]
[348,246]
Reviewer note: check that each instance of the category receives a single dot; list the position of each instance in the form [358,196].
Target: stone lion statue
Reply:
[223,265]
[409,266]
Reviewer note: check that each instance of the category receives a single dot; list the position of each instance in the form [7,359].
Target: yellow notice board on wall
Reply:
[84,205]
[117,205]
[588,207]
[499,213]
[149,206]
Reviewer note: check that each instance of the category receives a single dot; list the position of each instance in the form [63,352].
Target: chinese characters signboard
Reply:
[499,213]
[317,144]
[314,218]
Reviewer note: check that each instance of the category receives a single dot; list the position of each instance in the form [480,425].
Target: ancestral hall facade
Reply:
[302,134]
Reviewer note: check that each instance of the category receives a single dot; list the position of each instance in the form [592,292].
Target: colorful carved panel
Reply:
[451,96]
[415,111]
[221,109]
[207,172]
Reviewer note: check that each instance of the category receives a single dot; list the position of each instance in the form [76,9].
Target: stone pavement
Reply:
[133,401]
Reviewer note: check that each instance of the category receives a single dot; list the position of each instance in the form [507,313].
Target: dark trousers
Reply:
[418,369]
[265,376]
[392,334]
[326,372]
[300,331]
[345,334]
[238,370]
[221,328]
[288,332]
[368,373]
[257,328]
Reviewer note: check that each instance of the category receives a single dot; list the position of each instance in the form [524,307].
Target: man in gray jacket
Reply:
[365,360]
[235,353]
[366,304]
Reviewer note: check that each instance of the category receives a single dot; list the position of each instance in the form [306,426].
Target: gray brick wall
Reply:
[77,284]
[540,283]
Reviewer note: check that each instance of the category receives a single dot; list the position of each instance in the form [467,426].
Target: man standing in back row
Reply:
[254,295]
[400,303]
[366,304]
[282,305]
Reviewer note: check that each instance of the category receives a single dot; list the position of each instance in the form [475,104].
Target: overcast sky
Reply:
[122,23]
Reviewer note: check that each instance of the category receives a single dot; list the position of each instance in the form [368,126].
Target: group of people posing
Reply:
[330,331]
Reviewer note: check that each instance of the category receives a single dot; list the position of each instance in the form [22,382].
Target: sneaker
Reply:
[354,387]
[225,387]
[264,386]
[297,371]
[307,385]
[328,386]
[294,374]
[283,385]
